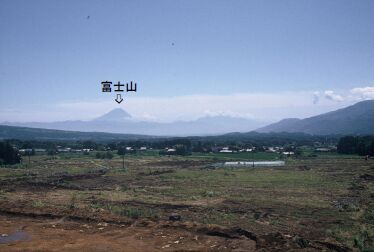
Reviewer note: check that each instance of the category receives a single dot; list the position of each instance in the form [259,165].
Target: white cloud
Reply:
[363,92]
[330,95]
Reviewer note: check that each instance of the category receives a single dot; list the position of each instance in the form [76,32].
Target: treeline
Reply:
[233,139]
[361,145]
[51,145]
[272,139]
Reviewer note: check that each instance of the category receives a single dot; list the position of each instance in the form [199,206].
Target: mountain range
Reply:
[357,119]
[119,121]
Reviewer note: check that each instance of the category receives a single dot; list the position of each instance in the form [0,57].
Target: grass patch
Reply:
[37,204]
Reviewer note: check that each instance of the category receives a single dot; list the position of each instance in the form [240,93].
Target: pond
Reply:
[14,237]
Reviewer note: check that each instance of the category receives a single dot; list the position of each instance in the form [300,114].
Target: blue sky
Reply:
[53,57]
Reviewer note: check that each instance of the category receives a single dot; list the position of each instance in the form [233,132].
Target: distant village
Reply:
[174,150]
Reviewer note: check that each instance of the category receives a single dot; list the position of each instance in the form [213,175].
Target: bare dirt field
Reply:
[181,204]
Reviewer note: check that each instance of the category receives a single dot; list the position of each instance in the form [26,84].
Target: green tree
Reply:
[9,154]
[347,145]
[121,150]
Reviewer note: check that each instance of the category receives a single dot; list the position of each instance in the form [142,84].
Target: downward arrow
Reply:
[119,99]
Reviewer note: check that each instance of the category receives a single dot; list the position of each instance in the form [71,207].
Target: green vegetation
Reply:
[8,154]
[104,155]
[361,145]
[37,204]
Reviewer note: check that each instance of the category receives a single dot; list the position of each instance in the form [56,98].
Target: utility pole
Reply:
[123,161]
[253,158]
[29,154]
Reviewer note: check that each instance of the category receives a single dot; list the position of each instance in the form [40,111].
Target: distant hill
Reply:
[23,133]
[119,121]
[357,119]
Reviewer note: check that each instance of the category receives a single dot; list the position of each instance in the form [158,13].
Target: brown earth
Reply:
[105,209]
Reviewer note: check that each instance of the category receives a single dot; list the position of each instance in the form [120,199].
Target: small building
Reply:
[143,148]
[64,149]
[24,151]
[323,149]
[288,153]
[225,151]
